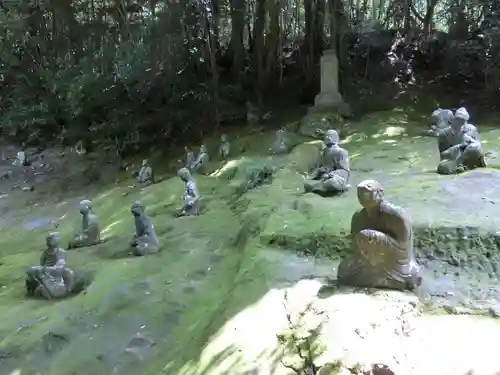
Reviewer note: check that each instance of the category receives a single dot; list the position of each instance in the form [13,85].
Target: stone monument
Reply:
[329,97]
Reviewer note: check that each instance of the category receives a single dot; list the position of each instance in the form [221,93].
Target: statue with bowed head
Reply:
[145,240]
[201,160]
[52,278]
[382,253]
[90,233]
[332,175]
[460,146]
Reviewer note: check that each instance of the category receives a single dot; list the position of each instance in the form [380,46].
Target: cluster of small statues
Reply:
[382,253]
[381,256]
[199,162]
[53,278]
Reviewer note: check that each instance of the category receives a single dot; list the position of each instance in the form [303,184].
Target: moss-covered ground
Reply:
[212,267]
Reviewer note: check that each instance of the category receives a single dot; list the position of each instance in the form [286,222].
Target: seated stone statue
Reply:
[189,157]
[201,160]
[224,147]
[279,145]
[382,244]
[52,278]
[440,119]
[145,175]
[90,233]
[332,176]
[460,146]
[145,240]
[191,204]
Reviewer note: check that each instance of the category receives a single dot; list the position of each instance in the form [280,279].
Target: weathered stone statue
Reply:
[382,244]
[252,113]
[279,145]
[145,175]
[20,159]
[332,175]
[145,240]
[90,233]
[189,157]
[224,147]
[460,146]
[191,197]
[201,160]
[440,120]
[52,278]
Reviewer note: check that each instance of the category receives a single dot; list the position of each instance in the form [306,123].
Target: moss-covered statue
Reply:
[332,175]
[460,146]
[382,244]
[145,240]
[145,174]
[191,204]
[52,278]
[90,233]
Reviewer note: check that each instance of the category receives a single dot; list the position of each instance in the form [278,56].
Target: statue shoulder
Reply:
[444,132]
[469,128]
[393,210]
[93,219]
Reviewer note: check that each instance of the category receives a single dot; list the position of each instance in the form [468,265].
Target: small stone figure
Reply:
[252,114]
[52,278]
[145,240]
[279,145]
[382,244]
[440,120]
[224,147]
[189,157]
[20,159]
[191,197]
[332,176]
[201,160]
[90,233]
[460,146]
[145,175]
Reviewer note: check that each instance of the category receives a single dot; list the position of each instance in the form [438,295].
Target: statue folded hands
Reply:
[191,198]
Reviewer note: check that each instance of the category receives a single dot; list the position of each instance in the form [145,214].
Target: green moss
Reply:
[211,267]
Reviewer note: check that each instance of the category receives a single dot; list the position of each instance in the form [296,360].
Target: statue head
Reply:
[461,117]
[331,138]
[53,240]
[441,115]
[137,208]
[85,206]
[223,138]
[145,162]
[184,174]
[370,194]
[203,149]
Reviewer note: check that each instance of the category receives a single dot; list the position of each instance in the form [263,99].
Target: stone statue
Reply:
[440,120]
[52,278]
[145,175]
[191,197]
[252,113]
[90,233]
[224,147]
[279,145]
[20,159]
[201,160]
[189,157]
[382,244]
[145,240]
[460,146]
[332,176]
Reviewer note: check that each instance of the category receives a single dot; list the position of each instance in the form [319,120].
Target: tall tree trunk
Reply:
[238,8]
[260,22]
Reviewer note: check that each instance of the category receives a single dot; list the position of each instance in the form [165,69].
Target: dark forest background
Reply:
[122,74]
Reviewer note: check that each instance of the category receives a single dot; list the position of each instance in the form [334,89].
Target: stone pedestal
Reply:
[329,97]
